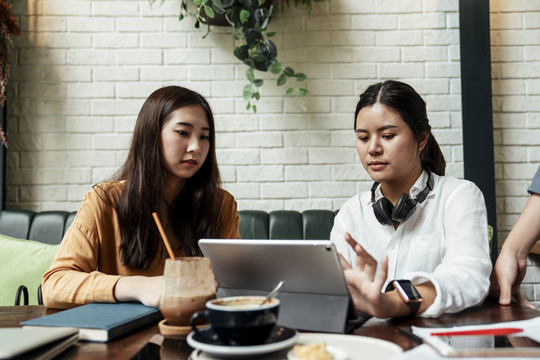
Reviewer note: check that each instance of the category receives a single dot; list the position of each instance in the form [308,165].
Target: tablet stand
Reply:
[309,312]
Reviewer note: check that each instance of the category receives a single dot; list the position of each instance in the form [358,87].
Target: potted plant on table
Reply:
[253,45]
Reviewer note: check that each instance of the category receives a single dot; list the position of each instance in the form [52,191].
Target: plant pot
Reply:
[220,20]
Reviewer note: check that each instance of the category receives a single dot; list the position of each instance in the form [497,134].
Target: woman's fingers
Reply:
[344,263]
[356,246]
[383,273]
[364,261]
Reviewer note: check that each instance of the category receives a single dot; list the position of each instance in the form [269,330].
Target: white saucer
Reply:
[337,353]
[281,338]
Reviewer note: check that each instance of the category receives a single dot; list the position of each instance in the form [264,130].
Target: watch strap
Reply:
[414,306]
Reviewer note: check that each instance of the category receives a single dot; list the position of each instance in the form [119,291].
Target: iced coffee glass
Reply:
[187,284]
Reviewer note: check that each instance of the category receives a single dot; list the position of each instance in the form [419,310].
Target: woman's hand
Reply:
[144,289]
[364,287]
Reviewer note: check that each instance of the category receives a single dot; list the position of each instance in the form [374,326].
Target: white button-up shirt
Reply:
[444,241]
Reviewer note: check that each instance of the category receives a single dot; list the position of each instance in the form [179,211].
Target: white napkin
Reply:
[426,352]
[531,328]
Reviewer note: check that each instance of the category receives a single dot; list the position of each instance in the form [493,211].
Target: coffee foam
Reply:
[241,303]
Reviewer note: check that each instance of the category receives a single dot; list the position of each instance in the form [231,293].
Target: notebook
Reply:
[101,322]
[314,296]
[35,343]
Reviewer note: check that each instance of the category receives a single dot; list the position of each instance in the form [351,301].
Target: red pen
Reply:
[494,332]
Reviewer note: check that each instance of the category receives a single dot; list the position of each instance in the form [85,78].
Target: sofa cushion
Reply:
[22,262]
[16,223]
[48,226]
[285,224]
[317,224]
[253,224]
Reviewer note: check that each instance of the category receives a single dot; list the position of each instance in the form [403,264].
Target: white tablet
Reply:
[308,266]
[314,295]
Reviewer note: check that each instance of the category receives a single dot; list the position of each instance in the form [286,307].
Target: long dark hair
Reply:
[196,208]
[403,99]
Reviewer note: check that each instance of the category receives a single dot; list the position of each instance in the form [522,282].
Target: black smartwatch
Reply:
[408,293]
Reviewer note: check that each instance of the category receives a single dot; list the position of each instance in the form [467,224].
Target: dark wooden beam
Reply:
[3,122]
[477,104]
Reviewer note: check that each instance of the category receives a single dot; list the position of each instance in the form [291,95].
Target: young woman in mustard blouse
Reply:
[113,251]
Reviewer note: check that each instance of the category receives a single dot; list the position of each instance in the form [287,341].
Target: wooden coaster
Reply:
[175,332]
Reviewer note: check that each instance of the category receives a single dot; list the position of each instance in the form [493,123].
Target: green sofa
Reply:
[28,240]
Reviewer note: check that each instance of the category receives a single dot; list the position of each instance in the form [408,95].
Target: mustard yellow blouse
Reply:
[87,264]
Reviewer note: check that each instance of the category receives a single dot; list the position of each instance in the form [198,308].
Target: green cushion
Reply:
[22,262]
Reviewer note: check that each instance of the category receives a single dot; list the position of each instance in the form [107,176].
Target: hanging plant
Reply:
[253,46]
[8,28]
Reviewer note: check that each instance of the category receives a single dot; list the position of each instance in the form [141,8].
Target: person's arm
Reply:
[366,289]
[511,264]
[72,278]
[86,265]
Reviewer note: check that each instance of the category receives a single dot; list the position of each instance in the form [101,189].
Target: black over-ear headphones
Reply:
[388,214]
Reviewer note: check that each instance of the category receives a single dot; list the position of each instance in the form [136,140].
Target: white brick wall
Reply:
[82,69]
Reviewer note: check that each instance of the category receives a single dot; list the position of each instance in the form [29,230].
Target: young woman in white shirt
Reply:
[417,243]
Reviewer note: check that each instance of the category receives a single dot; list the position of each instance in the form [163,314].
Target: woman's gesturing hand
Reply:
[364,287]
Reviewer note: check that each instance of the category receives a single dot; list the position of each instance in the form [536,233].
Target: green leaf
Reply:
[289,91]
[275,68]
[300,76]
[197,2]
[282,79]
[227,3]
[241,52]
[217,3]
[262,17]
[244,15]
[270,34]
[256,56]
[209,12]
[257,96]
[253,37]
[248,106]
[250,75]
[255,109]
[258,82]
[181,17]
[303,91]
[288,71]
[248,91]
[218,8]
[269,50]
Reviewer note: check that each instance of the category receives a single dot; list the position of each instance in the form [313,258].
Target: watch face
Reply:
[408,289]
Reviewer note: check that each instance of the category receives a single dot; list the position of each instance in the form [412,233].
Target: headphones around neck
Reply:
[388,214]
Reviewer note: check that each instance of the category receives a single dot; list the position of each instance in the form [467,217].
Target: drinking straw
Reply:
[163,235]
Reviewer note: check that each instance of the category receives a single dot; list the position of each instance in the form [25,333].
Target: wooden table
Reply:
[129,346]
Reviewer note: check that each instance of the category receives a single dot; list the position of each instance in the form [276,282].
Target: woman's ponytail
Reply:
[432,158]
